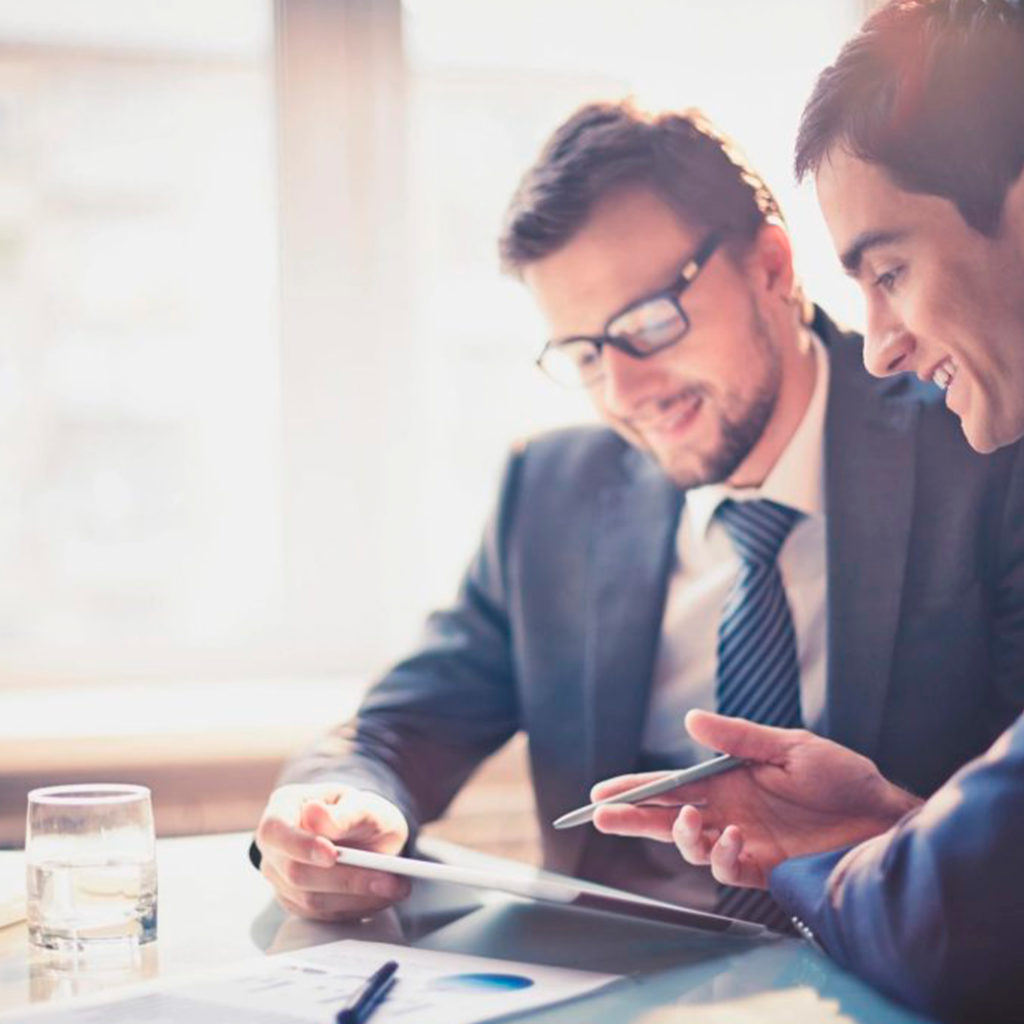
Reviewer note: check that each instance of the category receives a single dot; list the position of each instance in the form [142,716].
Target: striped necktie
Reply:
[758,675]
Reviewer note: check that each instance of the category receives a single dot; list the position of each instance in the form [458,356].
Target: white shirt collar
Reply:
[797,478]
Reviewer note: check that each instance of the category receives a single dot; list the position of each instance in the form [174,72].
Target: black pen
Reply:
[370,993]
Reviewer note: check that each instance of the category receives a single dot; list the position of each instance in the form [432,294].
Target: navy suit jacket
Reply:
[932,912]
[556,625]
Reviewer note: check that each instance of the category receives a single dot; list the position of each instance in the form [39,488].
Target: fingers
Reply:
[300,822]
[739,737]
[334,894]
[356,818]
[702,845]
[725,857]
[347,820]
[723,850]
[640,822]
[693,836]
[277,836]
[696,837]
[294,837]
[731,864]
[621,783]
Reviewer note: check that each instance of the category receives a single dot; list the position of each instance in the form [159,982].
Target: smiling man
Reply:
[929,218]
[725,406]
[735,536]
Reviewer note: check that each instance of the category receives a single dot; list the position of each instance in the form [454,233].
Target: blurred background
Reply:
[258,369]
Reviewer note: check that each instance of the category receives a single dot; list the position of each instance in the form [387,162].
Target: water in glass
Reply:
[91,867]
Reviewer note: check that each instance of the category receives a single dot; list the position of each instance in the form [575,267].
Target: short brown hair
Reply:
[605,147]
[933,92]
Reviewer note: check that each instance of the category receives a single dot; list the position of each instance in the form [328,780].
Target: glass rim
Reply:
[89,793]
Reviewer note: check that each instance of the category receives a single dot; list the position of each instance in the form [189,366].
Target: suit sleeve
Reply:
[1008,610]
[932,911]
[434,716]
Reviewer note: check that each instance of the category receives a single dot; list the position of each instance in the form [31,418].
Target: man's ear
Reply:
[772,261]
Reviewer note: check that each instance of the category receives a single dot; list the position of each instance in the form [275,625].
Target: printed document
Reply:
[310,986]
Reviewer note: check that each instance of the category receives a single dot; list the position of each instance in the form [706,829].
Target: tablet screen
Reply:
[552,889]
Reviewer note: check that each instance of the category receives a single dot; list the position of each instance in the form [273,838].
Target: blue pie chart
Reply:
[481,984]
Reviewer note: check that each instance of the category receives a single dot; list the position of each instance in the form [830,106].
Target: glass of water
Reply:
[90,860]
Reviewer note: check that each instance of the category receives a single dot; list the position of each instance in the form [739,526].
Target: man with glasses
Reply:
[737,541]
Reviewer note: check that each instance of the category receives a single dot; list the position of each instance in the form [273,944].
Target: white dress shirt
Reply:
[706,567]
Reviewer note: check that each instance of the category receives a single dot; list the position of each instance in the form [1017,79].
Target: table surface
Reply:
[215,909]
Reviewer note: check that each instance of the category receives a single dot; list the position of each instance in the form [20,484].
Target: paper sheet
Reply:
[12,889]
[310,986]
[801,1004]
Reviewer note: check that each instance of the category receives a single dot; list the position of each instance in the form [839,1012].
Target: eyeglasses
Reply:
[644,328]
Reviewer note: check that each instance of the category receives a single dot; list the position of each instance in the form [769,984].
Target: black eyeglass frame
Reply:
[673,293]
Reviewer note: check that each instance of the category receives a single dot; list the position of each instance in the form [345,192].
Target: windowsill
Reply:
[158,723]
[210,752]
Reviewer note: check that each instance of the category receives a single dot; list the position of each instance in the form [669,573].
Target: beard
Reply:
[741,419]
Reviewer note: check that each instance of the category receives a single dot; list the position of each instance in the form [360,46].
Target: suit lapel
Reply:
[632,552]
[869,479]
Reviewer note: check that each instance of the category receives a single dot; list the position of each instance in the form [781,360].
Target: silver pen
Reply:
[704,770]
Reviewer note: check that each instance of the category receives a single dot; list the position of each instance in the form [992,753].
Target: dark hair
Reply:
[605,147]
[933,92]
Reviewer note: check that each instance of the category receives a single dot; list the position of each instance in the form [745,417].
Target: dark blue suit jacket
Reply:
[932,912]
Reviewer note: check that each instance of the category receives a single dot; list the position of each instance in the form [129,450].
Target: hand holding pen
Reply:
[797,793]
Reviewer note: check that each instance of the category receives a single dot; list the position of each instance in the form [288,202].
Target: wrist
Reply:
[897,803]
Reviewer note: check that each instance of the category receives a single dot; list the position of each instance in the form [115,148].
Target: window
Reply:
[141,517]
[258,369]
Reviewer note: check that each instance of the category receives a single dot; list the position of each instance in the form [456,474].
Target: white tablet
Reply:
[564,890]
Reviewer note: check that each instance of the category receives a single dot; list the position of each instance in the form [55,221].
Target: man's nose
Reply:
[888,346]
[625,381]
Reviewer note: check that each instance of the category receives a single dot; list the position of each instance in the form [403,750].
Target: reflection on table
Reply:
[214,909]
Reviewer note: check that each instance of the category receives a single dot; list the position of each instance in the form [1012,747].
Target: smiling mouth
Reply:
[944,374]
[672,414]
